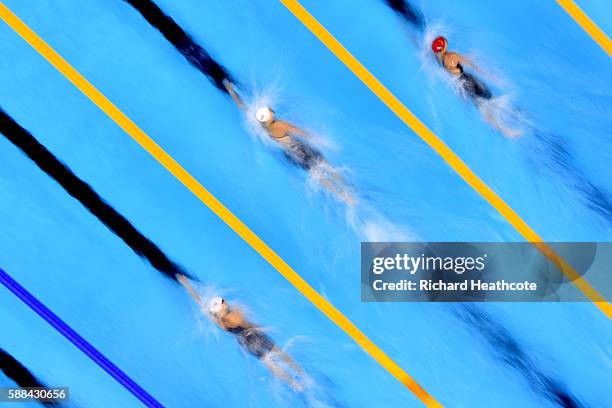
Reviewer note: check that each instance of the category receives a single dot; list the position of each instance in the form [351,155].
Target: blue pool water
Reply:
[543,61]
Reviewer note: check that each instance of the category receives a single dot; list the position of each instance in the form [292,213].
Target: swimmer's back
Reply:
[232,320]
[452,63]
[280,131]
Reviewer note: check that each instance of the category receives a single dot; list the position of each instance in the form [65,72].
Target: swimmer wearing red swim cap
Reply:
[451,61]
[439,44]
[471,86]
[454,63]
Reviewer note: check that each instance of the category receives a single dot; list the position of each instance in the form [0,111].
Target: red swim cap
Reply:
[438,44]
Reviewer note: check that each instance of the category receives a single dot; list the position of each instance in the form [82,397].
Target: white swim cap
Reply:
[215,305]
[264,114]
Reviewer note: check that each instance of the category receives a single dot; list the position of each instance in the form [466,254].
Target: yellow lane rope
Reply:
[587,24]
[215,205]
[443,150]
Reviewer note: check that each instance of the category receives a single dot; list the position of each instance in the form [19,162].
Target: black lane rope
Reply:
[87,196]
[192,51]
[404,9]
[17,372]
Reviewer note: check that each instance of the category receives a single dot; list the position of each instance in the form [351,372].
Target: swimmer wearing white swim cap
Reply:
[216,305]
[296,149]
[251,337]
[264,115]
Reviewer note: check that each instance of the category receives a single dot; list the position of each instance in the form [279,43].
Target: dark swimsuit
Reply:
[253,340]
[302,154]
[472,86]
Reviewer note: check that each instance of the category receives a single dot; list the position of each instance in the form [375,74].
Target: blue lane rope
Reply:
[82,344]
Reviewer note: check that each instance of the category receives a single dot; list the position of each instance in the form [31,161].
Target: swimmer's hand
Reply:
[183,279]
[185,282]
[232,91]
[228,85]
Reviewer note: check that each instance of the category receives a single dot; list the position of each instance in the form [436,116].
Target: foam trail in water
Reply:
[500,113]
[371,226]
[318,391]
[317,395]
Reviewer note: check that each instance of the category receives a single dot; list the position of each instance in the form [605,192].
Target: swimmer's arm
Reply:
[232,320]
[230,89]
[296,130]
[185,282]
[466,62]
[221,323]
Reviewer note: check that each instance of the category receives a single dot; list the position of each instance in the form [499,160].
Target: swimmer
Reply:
[251,338]
[455,64]
[290,138]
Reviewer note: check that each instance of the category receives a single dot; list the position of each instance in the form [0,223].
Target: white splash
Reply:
[371,226]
